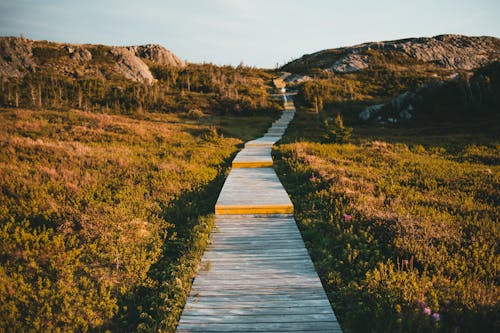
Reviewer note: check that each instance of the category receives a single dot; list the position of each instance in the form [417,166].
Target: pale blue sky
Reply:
[256,32]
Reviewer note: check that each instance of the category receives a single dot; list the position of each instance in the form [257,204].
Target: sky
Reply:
[261,33]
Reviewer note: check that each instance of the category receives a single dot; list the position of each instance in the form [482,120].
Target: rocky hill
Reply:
[470,94]
[19,56]
[452,52]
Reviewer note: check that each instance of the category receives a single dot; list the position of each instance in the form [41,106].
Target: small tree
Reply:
[337,132]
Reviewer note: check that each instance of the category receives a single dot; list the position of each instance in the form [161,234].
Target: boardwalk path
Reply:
[256,275]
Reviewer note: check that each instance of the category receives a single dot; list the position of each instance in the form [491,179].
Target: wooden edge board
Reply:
[257,164]
[252,209]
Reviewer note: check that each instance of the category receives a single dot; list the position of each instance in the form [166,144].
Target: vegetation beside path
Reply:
[103,218]
[402,224]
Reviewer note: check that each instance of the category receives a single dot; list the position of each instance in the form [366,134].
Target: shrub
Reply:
[195,114]
[337,132]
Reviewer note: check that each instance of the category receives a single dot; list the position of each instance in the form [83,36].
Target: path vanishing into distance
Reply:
[256,274]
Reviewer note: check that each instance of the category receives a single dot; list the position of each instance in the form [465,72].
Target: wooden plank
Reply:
[238,254]
[306,282]
[220,240]
[330,326]
[264,141]
[208,290]
[268,219]
[267,300]
[260,251]
[290,299]
[253,157]
[252,164]
[249,221]
[309,284]
[228,247]
[276,209]
[250,233]
[258,302]
[245,255]
[247,311]
[253,191]
[248,246]
[283,266]
[259,318]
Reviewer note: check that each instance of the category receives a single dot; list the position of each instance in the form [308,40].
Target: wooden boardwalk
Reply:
[256,275]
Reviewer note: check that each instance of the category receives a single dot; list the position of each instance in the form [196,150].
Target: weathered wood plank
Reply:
[284,237]
[330,326]
[259,318]
[264,141]
[258,289]
[247,311]
[227,302]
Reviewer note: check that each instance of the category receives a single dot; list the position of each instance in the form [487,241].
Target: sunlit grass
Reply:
[103,218]
[419,249]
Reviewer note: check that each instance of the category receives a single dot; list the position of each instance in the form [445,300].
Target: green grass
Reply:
[243,128]
[423,232]
[103,218]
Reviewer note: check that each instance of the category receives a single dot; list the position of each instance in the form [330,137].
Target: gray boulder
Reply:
[368,112]
[157,54]
[406,113]
[79,53]
[131,66]
[16,57]
[350,63]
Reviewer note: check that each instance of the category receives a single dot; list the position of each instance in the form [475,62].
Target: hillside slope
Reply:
[454,72]
[443,51]
[20,56]
[131,79]
[473,95]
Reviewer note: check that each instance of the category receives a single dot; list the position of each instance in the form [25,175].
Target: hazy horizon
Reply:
[258,33]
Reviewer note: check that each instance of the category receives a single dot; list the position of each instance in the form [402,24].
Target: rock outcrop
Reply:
[350,63]
[19,56]
[79,53]
[157,54]
[131,66]
[445,51]
[370,111]
[16,56]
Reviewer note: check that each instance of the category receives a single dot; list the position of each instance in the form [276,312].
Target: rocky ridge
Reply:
[446,51]
[20,56]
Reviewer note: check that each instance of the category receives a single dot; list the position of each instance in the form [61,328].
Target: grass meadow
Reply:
[104,217]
